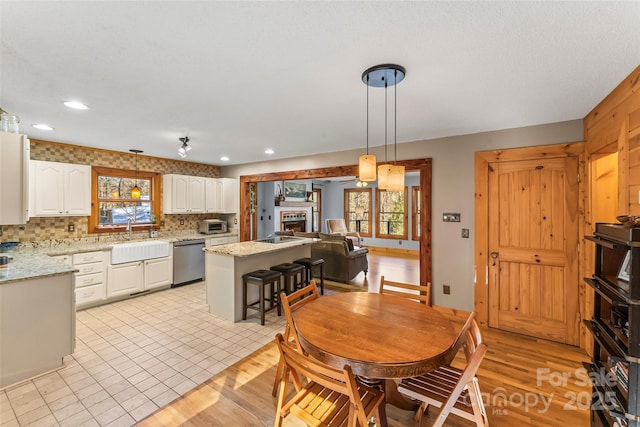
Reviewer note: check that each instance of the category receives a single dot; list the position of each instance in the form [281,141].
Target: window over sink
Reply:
[112,204]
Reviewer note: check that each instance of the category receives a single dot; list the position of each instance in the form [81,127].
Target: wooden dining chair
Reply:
[330,397]
[419,293]
[453,390]
[291,303]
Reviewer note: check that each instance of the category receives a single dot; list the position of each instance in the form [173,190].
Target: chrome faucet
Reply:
[130,222]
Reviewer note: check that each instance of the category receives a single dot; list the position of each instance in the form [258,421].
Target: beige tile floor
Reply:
[133,357]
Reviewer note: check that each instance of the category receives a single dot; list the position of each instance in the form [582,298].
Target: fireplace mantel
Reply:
[294,204]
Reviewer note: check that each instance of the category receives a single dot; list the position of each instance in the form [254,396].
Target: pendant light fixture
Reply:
[390,177]
[135,191]
[367,162]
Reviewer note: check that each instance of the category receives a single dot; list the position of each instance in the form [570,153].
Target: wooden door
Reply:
[533,248]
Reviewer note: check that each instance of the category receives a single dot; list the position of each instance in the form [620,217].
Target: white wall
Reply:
[452,191]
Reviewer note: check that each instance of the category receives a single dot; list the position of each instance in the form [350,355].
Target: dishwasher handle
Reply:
[189,243]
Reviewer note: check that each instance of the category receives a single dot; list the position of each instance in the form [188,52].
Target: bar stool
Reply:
[293,275]
[262,278]
[309,263]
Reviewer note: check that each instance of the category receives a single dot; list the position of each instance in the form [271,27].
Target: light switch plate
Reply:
[451,217]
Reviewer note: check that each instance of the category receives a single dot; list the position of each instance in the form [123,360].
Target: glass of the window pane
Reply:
[115,188]
[117,213]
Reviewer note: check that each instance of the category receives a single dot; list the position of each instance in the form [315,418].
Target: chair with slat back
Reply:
[291,303]
[453,390]
[330,397]
[419,293]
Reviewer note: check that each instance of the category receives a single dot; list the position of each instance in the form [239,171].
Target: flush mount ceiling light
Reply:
[182,151]
[269,151]
[135,191]
[42,126]
[224,158]
[390,177]
[76,105]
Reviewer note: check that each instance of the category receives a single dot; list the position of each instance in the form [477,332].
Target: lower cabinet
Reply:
[134,277]
[125,279]
[158,272]
[89,280]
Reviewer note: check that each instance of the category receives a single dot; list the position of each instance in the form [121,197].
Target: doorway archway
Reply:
[423,166]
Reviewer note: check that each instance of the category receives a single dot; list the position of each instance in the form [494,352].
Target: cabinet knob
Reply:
[494,255]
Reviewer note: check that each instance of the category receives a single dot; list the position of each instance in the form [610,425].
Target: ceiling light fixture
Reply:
[182,151]
[135,191]
[390,177]
[76,105]
[269,151]
[42,126]
[224,158]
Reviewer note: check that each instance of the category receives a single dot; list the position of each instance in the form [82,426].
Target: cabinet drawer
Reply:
[87,257]
[89,294]
[89,279]
[94,267]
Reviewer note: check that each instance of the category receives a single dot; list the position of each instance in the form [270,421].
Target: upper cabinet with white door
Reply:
[221,195]
[14,178]
[60,189]
[183,194]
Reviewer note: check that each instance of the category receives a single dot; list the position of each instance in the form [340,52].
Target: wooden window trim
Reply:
[346,203]
[415,196]
[156,187]
[391,236]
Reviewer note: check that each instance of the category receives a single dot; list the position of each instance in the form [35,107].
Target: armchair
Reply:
[339,227]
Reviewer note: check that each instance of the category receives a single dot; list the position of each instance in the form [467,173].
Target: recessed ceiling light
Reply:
[42,126]
[76,105]
[269,151]
[224,158]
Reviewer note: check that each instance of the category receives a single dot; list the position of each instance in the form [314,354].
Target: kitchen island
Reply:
[37,317]
[225,265]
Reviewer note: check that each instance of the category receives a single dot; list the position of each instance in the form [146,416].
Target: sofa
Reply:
[342,261]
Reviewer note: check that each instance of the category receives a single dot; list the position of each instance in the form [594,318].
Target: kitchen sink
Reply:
[139,251]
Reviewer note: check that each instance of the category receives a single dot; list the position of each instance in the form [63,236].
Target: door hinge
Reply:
[578,178]
[578,247]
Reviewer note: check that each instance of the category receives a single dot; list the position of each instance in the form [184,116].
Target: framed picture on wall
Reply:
[623,274]
[295,190]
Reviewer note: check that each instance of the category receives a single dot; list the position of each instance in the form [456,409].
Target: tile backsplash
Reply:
[53,228]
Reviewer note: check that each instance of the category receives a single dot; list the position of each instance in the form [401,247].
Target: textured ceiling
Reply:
[240,77]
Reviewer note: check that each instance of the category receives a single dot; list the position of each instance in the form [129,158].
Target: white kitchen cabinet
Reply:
[90,278]
[14,178]
[158,272]
[211,195]
[216,241]
[183,194]
[133,277]
[221,195]
[60,189]
[125,279]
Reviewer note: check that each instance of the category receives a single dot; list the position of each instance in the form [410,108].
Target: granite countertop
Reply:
[254,247]
[35,261]
[56,248]
[31,265]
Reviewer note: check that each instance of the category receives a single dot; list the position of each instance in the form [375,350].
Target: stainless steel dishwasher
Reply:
[188,262]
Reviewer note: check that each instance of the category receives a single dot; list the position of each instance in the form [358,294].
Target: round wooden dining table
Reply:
[379,336]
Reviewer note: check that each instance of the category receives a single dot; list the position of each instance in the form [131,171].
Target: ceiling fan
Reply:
[353,179]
